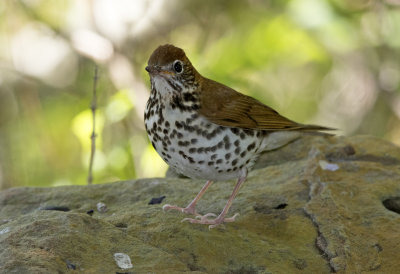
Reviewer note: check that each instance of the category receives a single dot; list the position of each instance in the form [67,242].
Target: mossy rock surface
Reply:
[318,205]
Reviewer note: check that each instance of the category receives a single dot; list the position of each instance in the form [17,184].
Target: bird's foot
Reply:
[187,210]
[203,219]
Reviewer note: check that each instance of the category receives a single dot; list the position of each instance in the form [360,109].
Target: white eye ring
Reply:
[178,66]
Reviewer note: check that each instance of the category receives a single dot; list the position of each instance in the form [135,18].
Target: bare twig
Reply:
[93,136]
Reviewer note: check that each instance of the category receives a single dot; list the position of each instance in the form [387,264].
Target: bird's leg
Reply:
[190,209]
[221,217]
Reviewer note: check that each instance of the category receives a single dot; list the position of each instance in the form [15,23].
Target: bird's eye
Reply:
[178,66]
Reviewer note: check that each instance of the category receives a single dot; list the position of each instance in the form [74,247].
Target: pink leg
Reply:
[221,217]
[190,209]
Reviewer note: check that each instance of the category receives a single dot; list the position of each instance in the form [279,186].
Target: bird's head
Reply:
[169,64]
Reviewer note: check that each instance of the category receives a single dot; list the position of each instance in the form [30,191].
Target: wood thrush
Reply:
[206,130]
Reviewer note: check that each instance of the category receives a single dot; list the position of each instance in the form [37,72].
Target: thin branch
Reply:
[93,136]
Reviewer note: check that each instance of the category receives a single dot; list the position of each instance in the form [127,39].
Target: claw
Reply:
[169,207]
[166,207]
[231,219]
[211,222]
[187,210]
[187,219]
[204,217]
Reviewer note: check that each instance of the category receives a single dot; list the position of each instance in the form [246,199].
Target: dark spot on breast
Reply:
[236,143]
[178,124]
[183,154]
[188,97]
[219,161]
[234,162]
[192,150]
[189,128]
[251,146]
[242,135]
[183,143]
[176,102]
[214,156]
[193,141]
[210,163]
[237,150]
[212,134]
[200,150]
[227,156]
[243,154]
[226,142]
[235,130]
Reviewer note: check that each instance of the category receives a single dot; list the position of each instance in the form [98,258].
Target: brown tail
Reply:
[314,128]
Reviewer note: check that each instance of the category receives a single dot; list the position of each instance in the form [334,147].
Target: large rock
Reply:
[322,204]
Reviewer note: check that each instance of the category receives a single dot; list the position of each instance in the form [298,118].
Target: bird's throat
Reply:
[178,95]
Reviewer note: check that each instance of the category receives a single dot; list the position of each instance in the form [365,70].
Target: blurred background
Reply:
[330,62]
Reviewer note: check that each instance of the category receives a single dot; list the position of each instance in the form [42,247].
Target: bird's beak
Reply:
[152,70]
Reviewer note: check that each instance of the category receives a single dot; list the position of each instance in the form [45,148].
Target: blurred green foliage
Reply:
[331,62]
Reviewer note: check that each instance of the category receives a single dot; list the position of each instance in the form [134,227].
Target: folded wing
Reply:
[227,107]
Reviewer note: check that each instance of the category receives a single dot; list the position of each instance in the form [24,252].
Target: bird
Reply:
[206,130]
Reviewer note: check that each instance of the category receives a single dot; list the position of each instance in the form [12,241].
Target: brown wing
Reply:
[227,107]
